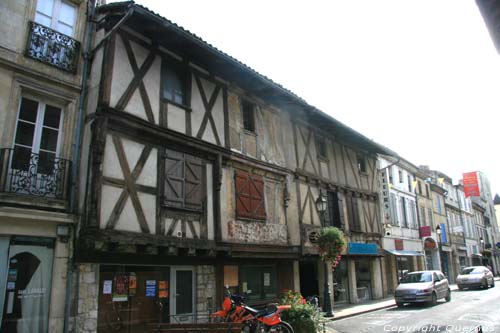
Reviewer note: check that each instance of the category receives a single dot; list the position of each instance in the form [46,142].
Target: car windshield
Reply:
[417,277]
[472,270]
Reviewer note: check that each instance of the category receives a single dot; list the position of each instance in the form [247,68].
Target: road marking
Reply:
[478,317]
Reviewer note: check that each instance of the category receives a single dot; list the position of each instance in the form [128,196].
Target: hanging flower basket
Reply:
[331,242]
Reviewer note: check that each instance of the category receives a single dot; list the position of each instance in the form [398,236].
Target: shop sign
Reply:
[398,244]
[362,248]
[425,231]
[471,184]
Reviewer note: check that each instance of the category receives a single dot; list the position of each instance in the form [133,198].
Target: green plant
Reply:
[303,316]
[331,242]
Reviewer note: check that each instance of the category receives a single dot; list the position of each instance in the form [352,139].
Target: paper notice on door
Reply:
[150,288]
[107,287]
[245,287]
[267,279]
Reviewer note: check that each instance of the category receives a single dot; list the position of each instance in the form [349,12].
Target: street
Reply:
[466,310]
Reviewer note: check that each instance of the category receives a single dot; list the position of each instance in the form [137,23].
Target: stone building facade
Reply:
[41,68]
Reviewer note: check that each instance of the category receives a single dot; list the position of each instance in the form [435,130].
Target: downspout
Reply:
[76,142]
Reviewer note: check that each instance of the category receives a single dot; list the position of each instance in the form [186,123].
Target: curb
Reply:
[362,312]
[373,309]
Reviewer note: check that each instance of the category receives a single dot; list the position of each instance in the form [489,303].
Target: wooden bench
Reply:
[196,328]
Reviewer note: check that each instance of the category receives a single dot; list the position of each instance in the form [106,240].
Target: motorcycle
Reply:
[267,320]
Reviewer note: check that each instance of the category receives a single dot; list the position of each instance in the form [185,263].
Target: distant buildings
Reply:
[142,170]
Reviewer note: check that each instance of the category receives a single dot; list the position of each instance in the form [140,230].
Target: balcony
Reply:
[25,173]
[52,47]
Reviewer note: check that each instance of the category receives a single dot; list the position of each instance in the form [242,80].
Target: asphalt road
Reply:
[466,310]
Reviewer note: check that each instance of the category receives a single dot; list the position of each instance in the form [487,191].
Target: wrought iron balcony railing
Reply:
[52,47]
[25,173]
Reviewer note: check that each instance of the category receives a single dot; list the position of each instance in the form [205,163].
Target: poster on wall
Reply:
[163,289]
[28,277]
[150,288]
[471,184]
[107,287]
[120,293]
[132,284]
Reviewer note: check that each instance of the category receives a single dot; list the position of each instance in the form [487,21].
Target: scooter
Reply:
[267,320]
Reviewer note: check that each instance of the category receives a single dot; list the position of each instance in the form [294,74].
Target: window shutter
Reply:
[249,196]
[257,197]
[355,214]
[174,179]
[194,183]
[341,222]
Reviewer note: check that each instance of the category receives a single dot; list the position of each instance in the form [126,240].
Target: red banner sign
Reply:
[398,243]
[425,231]
[471,184]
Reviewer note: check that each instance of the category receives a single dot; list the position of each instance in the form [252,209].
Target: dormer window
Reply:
[248,110]
[361,161]
[321,147]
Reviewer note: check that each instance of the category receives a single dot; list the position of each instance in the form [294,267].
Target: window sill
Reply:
[250,220]
[248,132]
[323,159]
[182,106]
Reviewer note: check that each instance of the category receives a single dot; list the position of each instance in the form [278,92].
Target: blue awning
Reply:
[405,253]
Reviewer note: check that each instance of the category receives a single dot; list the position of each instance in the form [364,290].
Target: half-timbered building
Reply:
[201,173]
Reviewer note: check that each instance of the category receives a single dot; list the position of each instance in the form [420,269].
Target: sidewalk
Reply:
[349,310]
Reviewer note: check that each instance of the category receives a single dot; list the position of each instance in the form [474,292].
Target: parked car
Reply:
[475,276]
[422,287]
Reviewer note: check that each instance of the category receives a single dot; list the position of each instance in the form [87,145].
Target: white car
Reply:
[475,276]
[422,287]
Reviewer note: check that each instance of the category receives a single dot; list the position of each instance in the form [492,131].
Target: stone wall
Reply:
[257,232]
[205,286]
[88,298]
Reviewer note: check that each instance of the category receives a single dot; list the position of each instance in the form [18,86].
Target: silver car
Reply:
[475,276]
[422,287]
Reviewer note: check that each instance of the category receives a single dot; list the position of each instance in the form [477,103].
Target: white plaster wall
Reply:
[149,172]
[148,202]
[135,106]
[152,83]
[109,197]
[128,219]
[122,73]
[111,166]
[176,118]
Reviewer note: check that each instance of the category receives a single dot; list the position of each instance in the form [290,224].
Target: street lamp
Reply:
[321,206]
[438,232]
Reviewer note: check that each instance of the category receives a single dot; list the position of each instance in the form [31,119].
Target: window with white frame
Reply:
[56,14]
[38,136]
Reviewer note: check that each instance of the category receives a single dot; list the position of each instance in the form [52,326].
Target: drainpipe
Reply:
[76,142]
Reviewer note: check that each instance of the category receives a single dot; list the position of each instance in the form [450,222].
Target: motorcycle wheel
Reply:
[282,327]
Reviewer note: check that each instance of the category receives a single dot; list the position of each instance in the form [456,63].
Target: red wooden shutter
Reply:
[250,201]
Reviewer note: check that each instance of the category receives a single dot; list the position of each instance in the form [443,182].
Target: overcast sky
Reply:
[421,77]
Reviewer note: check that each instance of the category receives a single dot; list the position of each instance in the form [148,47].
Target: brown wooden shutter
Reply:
[183,181]
[174,179]
[249,196]
[355,214]
[194,183]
